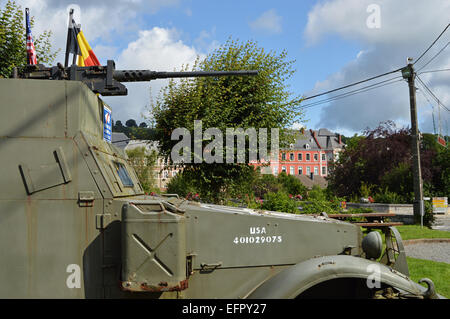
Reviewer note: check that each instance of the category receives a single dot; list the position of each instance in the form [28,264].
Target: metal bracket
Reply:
[86,199]
[210,267]
[102,220]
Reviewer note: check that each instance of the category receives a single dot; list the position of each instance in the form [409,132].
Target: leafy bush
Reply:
[280,202]
[266,183]
[291,184]
[399,179]
[181,185]
[388,197]
[316,194]
[366,189]
[319,206]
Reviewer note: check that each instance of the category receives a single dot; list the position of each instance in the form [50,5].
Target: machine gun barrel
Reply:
[147,75]
[106,80]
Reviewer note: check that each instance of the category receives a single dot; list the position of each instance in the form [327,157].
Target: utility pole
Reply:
[408,73]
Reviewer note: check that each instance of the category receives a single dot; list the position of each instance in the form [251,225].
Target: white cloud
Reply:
[407,28]
[268,22]
[104,21]
[297,125]
[158,49]
[114,28]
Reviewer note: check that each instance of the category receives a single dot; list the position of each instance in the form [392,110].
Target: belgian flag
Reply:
[87,56]
[78,46]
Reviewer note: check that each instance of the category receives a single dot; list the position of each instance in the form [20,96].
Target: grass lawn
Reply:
[417,232]
[438,272]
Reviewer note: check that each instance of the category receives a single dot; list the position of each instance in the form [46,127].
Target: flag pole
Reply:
[27,13]
[69,38]
[31,51]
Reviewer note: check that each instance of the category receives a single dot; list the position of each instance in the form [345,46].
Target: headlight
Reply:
[372,245]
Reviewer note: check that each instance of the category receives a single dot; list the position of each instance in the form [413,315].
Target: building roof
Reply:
[321,139]
[119,139]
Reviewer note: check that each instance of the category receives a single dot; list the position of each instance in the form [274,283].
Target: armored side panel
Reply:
[234,250]
[54,183]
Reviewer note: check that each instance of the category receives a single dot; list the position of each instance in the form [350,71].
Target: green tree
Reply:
[291,184]
[261,101]
[13,51]
[381,161]
[143,163]
[131,123]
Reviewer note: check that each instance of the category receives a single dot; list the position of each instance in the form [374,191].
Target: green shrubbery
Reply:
[280,202]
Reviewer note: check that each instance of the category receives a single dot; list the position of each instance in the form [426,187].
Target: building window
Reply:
[283,156]
[283,169]
[307,146]
[316,171]
[324,157]
[299,156]
[308,156]
[291,170]
[300,170]
[308,170]
[291,156]
[316,157]
[324,170]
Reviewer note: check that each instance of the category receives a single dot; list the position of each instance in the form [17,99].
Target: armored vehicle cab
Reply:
[75,222]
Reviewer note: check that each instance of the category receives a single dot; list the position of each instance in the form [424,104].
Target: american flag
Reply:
[31,52]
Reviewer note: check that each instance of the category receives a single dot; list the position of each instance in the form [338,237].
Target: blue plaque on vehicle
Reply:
[107,127]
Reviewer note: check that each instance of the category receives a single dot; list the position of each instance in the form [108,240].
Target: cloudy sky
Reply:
[334,43]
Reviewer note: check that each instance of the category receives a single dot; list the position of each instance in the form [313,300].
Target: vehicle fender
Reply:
[292,281]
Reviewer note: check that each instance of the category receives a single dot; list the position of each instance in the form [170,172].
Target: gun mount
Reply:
[106,80]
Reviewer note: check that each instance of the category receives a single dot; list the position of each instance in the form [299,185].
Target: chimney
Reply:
[340,139]
[315,139]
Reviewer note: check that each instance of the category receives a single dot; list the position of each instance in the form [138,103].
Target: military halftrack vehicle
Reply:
[76,223]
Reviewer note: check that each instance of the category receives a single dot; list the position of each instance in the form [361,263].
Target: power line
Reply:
[376,85]
[349,85]
[432,109]
[432,44]
[357,91]
[350,93]
[432,71]
[432,94]
[434,56]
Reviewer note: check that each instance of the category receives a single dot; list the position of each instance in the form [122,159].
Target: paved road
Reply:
[433,251]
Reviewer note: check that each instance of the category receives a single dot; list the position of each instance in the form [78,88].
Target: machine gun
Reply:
[106,80]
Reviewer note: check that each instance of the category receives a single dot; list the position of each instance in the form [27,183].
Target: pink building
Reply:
[310,154]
